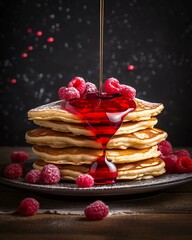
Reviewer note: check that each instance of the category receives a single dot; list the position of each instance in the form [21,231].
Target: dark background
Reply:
[154,36]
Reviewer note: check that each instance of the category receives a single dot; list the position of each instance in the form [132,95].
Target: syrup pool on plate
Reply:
[102,114]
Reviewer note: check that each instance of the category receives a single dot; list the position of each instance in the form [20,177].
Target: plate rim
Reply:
[128,187]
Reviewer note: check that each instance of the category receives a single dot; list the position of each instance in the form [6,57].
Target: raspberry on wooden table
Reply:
[19,156]
[84,181]
[28,207]
[13,171]
[50,174]
[96,211]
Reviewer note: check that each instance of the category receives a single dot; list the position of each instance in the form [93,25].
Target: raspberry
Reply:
[111,86]
[50,174]
[84,181]
[184,164]
[182,152]
[61,92]
[78,83]
[165,147]
[128,91]
[33,176]
[19,156]
[28,207]
[90,91]
[13,171]
[90,88]
[170,162]
[70,93]
[96,210]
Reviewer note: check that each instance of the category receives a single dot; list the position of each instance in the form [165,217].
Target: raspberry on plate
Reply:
[19,156]
[165,147]
[96,211]
[182,152]
[78,83]
[184,164]
[33,176]
[28,207]
[111,86]
[13,171]
[170,162]
[50,174]
[84,181]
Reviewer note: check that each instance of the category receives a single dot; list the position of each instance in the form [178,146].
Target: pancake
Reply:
[145,169]
[55,111]
[67,172]
[141,139]
[80,129]
[79,156]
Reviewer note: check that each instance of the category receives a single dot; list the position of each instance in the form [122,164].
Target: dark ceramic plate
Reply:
[120,188]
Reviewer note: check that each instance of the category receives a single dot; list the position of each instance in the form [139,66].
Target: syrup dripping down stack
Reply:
[61,139]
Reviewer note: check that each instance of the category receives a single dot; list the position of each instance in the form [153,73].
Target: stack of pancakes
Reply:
[63,140]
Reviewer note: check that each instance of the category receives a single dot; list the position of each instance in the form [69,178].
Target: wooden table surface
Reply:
[160,215]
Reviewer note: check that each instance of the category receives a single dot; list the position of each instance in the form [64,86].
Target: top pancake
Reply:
[54,111]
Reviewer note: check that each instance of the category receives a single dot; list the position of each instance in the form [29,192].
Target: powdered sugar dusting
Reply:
[50,106]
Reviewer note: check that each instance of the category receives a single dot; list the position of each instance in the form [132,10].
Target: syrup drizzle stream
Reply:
[101,46]
[102,115]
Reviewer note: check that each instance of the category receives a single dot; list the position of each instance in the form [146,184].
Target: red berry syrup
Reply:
[102,115]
